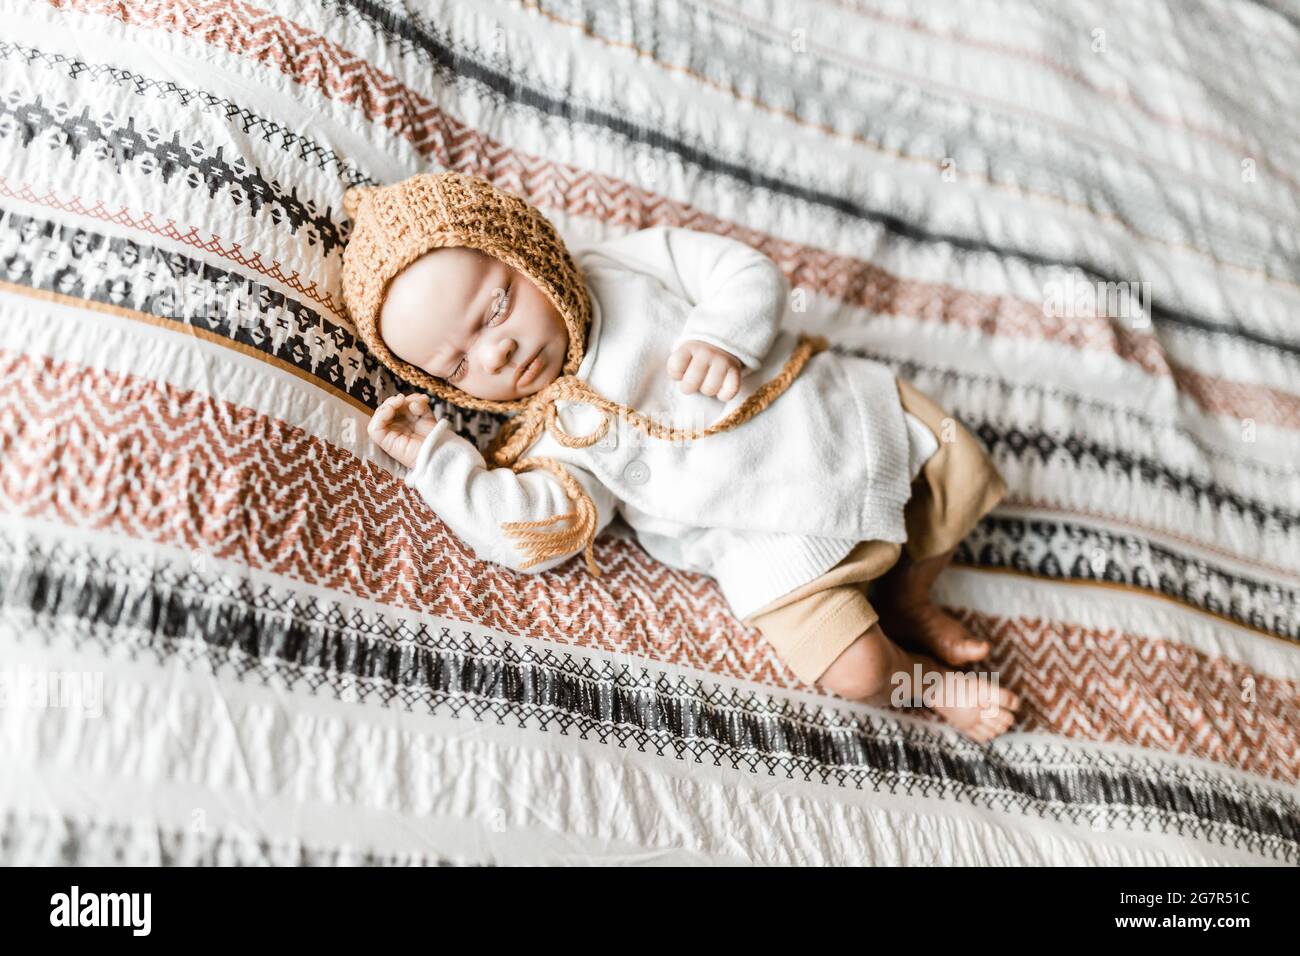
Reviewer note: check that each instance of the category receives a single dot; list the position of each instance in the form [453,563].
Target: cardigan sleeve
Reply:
[737,294]
[474,500]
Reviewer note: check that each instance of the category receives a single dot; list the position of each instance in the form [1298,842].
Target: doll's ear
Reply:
[352,199]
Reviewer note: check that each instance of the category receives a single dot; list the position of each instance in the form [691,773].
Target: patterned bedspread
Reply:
[230,634]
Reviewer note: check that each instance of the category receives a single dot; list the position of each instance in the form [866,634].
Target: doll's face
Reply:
[476,323]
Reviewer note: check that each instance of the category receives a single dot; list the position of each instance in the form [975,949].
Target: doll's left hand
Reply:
[400,425]
[711,370]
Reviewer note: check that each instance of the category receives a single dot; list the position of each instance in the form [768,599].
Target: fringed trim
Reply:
[579,529]
[540,540]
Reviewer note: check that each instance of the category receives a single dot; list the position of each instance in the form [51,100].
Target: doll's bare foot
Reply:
[876,670]
[906,611]
[977,707]
[929,627]
[973,703]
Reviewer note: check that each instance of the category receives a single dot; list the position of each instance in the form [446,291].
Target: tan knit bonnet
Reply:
[394,225]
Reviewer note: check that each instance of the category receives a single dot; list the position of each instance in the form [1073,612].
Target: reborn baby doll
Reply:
[653,378]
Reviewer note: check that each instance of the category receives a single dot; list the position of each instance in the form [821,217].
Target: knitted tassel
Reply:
[537,544]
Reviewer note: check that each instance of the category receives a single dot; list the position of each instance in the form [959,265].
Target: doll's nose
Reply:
[502,349]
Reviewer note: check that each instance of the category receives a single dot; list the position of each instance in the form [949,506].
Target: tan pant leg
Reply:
[957,487]
[812,625]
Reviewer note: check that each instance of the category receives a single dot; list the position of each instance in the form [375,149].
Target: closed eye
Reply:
[500,305]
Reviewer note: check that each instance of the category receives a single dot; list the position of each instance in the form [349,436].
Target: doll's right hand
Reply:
[400,425]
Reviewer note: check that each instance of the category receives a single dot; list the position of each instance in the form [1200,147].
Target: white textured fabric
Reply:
[763,507]
[264,652]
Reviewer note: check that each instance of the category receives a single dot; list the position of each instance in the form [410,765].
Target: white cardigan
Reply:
[762,508]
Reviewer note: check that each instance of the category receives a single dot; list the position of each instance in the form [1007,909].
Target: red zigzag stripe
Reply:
[151,461]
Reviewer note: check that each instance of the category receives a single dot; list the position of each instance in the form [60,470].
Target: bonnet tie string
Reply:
[564,533]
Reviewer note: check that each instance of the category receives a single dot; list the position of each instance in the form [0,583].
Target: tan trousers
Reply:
[812,625]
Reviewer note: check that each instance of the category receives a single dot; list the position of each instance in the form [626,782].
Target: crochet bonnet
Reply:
[392,226]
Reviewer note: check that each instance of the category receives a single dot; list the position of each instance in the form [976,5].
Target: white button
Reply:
[637,472]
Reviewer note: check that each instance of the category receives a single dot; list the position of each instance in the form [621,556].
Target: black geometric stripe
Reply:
[242,119]
[460,67]
[1073,552]
[154,152]
[129,274]
[310,644]
[69,841]
[1019,443]
[1081,407]
[126,273]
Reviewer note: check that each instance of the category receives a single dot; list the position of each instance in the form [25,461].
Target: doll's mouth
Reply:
[530,370]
